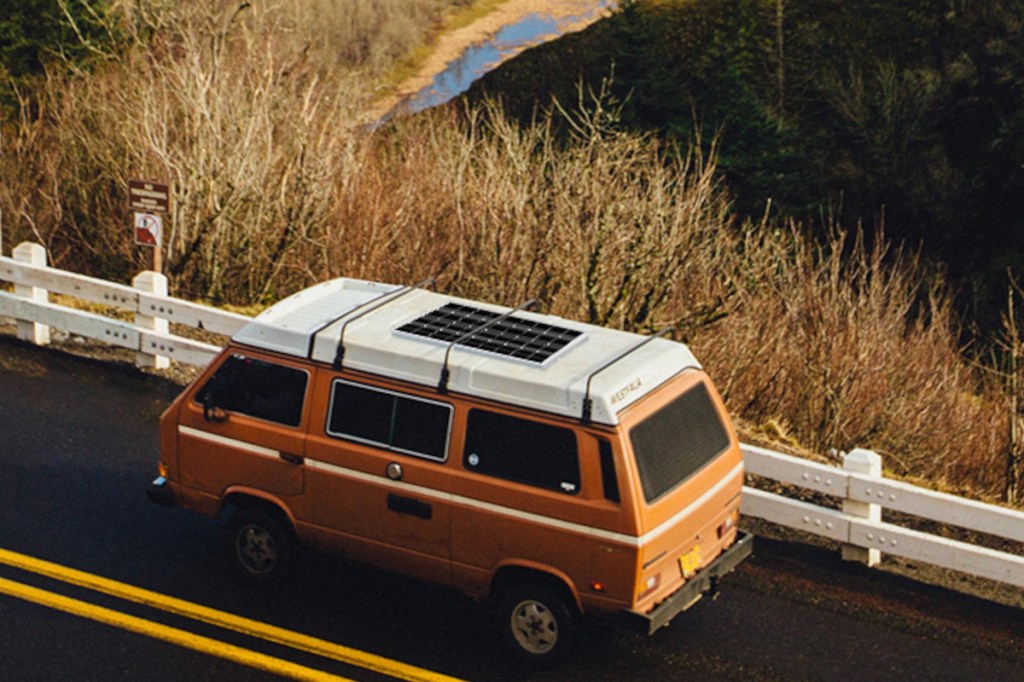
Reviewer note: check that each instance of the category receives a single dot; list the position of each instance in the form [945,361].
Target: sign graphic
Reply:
[149,229]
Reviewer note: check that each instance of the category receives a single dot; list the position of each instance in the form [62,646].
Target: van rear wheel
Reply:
[536,624]
[259,546]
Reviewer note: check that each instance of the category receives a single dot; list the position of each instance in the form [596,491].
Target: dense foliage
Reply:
[34,33]
[907,112]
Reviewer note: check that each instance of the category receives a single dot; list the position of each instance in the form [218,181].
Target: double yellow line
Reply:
[189,640]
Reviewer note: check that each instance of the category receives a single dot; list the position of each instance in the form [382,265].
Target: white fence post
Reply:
[33,332]
[156,284]
[868,463]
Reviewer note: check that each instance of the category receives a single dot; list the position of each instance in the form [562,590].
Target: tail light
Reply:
[649,586]
[729,523]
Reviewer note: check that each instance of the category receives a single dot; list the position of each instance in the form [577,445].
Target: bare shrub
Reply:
[26,168]
[614,231]
[847,346]
[1007,366]
[250,136]
[247,108]
[353,34]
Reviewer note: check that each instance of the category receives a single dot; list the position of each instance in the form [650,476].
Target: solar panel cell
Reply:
[514,337]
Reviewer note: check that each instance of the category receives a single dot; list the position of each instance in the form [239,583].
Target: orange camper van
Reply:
[554,468]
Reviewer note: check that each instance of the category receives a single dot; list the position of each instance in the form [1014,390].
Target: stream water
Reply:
[480,58]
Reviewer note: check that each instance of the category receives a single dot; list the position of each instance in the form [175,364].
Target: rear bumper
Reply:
[159,491]
[694,588]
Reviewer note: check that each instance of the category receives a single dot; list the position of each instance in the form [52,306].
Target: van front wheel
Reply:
[259,547]
[536,623]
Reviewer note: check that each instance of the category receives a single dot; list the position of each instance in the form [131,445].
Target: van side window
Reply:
[522,450]
[608,480]
[389,420]
[257,388]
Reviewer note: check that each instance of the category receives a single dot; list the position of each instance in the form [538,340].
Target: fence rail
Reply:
[859,488]
[858,523]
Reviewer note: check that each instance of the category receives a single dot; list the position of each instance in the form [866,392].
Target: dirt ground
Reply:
[570,15]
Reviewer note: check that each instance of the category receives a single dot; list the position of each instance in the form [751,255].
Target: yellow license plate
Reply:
[690,562]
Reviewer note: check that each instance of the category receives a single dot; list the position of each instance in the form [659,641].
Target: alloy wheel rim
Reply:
[256,549]
[534,627]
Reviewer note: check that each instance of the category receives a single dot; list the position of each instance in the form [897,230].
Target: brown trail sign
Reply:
[149,201]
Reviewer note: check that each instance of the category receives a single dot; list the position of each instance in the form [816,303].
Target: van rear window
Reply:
[677,441]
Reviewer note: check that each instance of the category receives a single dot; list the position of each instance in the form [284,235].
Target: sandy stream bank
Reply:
[567,16]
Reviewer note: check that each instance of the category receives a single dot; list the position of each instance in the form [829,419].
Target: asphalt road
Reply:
[78,442]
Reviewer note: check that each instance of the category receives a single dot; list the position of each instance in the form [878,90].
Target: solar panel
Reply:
[511,337]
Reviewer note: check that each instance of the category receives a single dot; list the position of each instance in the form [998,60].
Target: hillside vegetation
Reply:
[907,112]
[823,343]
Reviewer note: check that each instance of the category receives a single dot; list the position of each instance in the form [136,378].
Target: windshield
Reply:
[677,441]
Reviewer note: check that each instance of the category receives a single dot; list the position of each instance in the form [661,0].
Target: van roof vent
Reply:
[512,337]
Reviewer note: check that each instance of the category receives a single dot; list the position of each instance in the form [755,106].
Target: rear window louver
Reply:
[677,441]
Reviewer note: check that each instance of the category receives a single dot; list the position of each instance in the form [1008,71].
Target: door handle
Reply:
[407,505]
[292,459]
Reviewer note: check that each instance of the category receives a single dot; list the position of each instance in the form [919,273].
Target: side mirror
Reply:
[211,412]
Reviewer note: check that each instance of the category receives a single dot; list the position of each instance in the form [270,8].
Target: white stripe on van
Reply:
[230,442]
[354,474]
[709,493]
[430,493]
[551,522]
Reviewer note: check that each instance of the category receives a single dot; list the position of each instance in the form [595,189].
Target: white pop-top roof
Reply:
[308,324]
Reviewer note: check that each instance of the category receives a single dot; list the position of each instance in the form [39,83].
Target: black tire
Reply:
[260,546]
[536,623]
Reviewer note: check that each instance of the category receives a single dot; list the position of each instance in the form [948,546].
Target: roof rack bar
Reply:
[588,404]
[366,308]
[442,384]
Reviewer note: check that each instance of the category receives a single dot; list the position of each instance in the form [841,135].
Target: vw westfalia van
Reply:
[557,469]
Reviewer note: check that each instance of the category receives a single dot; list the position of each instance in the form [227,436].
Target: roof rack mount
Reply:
[369,307]
[588,404]
[442,384]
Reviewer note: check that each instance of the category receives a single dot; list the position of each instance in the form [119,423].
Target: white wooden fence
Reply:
[146,298]
[859,488]
[863,493]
